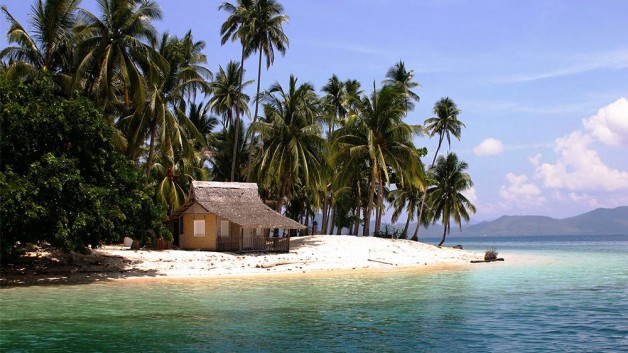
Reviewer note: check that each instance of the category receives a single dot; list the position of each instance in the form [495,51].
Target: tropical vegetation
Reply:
[338,157]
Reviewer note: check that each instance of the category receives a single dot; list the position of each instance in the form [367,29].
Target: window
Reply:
[224,228]
[199,227]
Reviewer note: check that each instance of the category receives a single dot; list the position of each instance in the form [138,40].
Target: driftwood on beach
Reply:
[492,260]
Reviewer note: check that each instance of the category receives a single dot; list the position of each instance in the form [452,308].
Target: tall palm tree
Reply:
[265,34]
[114,47]
[199,115]
[162,117]
[334,100]
[378,134]
[399,75]
[50,47]
[444,124]
[236,27]
[226,98]
[446,198]
[293,137]
[228,101]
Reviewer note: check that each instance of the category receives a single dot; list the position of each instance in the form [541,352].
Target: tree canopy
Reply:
[61,181]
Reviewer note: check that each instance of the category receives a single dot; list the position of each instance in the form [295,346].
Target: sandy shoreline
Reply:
[308,255]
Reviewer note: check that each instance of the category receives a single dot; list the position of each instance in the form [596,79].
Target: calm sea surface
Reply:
[573,298]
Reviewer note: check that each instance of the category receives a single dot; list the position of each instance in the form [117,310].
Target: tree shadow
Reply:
[53,267]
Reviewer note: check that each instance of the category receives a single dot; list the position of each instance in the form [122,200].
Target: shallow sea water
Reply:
[568,294]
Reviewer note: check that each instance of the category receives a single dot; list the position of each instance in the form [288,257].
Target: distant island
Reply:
[601,221]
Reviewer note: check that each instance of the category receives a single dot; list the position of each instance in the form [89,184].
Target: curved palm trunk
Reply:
[380,202]
[151,150]
[416,233]
[369,206]
[236,136]
[259,77]
[445,228]
[324,221]
[415,236]
[405,228]
[358,208]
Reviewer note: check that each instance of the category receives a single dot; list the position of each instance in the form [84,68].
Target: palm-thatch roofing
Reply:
[238,202]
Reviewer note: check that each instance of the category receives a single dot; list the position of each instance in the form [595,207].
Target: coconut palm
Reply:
[445,123]
[162,117]
[334,99]
[446,198]
[50,47]
[199,116]
[226,97]
[399,75]
[114,47]
[378,134]
[264,35]
[293,138]
[236,27]
[228,101]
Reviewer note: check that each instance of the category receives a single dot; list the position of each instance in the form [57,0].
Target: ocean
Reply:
[557,294]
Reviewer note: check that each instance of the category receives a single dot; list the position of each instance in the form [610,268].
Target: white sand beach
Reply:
[308,255]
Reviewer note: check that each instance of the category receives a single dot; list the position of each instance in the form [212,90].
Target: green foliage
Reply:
[60,179]
[389,233]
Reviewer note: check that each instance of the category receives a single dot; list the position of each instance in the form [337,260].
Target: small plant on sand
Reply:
[490,255]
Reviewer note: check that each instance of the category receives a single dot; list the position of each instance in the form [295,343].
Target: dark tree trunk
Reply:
[259,77]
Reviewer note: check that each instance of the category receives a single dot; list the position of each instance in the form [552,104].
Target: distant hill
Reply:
[600,221]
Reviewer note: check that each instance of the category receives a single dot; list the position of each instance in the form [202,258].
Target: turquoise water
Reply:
[572,299]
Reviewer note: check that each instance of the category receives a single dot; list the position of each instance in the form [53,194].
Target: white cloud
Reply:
[489,147]
[610,124]
[471,195]
[535,159]
[580,168]
[520,191]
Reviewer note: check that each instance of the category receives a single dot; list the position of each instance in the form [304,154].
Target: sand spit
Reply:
[311,254]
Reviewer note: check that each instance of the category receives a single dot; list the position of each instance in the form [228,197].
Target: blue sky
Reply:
[542,85]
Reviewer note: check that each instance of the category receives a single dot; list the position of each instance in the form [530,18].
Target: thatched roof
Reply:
[238,202]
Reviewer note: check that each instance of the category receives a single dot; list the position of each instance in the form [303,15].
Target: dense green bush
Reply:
[61,181]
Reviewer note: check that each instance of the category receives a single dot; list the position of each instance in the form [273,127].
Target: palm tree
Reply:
[407,199]
[398,75]
[114,47]
[378,134]
[162,116]
[265,34]
[334,100]
[221,151]
[50,48]
[228,101]
[198,114]
[236,27]
[293,138]
[446,198]
[226,98]
[445,124]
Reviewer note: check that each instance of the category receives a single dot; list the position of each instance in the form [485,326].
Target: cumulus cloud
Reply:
[610,124]
[471,195]
[489,147]
[520,191]
[535,159]
[580,168]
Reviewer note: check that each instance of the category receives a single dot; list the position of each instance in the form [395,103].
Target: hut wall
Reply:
[190,241]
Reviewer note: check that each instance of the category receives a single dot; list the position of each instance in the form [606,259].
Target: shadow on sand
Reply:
[49,266]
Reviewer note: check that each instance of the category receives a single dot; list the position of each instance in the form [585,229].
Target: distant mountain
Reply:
[600,221]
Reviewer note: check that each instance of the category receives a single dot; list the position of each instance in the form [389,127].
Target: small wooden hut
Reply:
[225,216]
